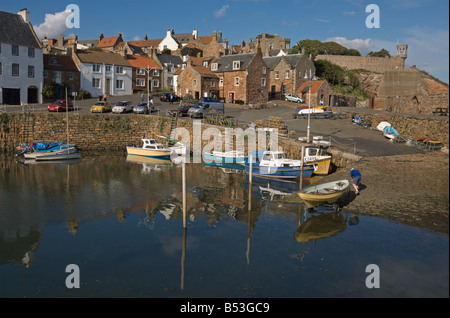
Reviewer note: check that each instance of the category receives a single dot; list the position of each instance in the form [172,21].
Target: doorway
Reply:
[11,96]
[33,95]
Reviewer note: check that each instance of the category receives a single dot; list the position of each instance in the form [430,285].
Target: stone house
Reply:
[60,71]
[243,78]
[287,73]
[146,73]
[21,60]
[320,91]
[196,78]
[169,64]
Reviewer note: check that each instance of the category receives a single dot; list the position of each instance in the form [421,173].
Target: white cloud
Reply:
[363,46]
[222,11]
[54,25]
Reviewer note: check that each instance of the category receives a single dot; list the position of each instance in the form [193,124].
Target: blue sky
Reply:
[422,24]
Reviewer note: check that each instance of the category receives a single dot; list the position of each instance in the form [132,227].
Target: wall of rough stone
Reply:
[374,64]
[413,104]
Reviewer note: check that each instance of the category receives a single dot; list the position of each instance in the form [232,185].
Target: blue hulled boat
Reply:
[275,164]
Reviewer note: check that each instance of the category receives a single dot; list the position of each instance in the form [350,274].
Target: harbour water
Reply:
[119,220]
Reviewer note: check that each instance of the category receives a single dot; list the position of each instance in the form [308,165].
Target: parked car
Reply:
[143,108]
[293,98]
[101,107]
[166,97]
[208,99]
[181,111]
[122,107]
[59,106]
[202,109]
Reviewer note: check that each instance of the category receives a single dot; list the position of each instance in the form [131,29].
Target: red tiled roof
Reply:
[142,62]
[107,42]
[205,39]
[315,85]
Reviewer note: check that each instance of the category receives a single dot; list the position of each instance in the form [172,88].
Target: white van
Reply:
[201,109]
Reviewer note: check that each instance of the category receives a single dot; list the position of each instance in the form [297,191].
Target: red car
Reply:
[181,111]
[59,106]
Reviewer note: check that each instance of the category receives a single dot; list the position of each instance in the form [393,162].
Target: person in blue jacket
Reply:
[356,176]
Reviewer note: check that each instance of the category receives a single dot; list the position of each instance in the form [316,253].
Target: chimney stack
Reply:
[25,14]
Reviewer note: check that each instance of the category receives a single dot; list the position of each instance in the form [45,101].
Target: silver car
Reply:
[122,107]
[143,108]
[293,98]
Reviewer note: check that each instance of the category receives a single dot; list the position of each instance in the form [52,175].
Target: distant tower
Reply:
[402,52]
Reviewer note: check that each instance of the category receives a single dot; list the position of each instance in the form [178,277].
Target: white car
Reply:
[122,108]
[293,98]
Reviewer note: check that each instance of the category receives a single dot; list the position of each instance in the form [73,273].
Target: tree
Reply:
[315,47]
[381,53]
[333,73]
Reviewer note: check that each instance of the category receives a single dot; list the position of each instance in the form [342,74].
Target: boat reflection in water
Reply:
[319,226]
[150,164]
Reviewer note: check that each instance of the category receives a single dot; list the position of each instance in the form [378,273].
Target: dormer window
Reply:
[236,65]
[214,67]
[205,63]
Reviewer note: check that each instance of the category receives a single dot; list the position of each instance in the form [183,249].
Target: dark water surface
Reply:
[120,222]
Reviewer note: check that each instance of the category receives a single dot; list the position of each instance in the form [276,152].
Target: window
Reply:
[96,68]
[15,69]
[214,67]
[221,82]
[236,81]
[119,69]
[264,70]
[107,68]
[155,83]
[96,82]
[286,74]
[277,75]
[70,76]
[119,84]
[213,83]
[30,71]
[183,66]
[169,68]
[140,71]
[263,82]
[45,74]
[14,50]
[236,65]
[140,82]
[194,83]
[155,72]
[205,63]
[30,52]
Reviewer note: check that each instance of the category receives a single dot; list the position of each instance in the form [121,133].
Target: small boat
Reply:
[57,156]
[390,132]
[225,157]
[178,148]
[39,149]
[326,193]
[318,156]
[274,164]
[151,148]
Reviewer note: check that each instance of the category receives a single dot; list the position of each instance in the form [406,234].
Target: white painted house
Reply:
[21,60]
[104,72]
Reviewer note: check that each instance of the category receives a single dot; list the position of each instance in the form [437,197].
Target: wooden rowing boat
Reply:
[325,193]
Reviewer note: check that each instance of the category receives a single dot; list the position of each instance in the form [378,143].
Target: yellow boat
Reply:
[325,193]
[151,148]
[319,156]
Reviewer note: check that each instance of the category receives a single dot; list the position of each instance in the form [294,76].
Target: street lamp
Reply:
[309,110]
[148,69]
